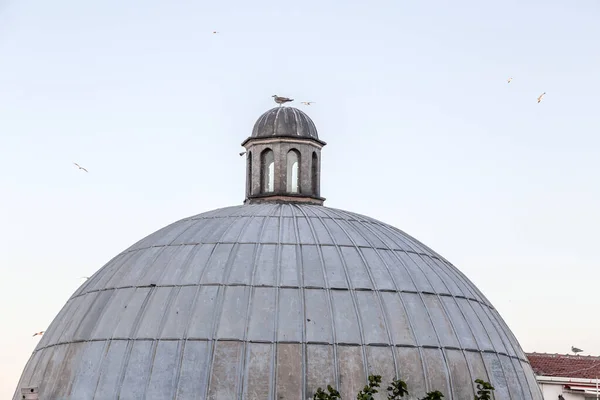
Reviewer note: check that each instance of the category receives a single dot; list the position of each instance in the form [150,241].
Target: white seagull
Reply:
[280,100]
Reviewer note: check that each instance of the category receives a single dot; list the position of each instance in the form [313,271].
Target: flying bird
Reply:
[85,277]
[575,350]
[280,100]
[242,153]
[308,103]
[215,32]
[540,98]
[38,333]
[80,167]
[509,79]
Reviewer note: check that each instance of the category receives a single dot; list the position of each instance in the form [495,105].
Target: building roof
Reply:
[565,365]
[272,301]
[285,122]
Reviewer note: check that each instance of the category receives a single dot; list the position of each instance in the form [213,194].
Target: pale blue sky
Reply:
[424,133]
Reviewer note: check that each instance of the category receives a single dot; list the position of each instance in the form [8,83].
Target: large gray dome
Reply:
[285,121]
[271,301]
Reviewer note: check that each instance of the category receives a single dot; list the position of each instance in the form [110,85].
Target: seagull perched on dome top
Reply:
[280,100]
[575,350]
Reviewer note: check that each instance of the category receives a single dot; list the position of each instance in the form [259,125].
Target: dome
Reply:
[284,122]
[271,301]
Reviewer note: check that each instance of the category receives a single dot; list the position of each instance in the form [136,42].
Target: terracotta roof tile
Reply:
[565,365]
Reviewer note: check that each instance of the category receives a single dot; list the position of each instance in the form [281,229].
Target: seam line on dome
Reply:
[282,243]
[284,287]
[313,342]
[276,311]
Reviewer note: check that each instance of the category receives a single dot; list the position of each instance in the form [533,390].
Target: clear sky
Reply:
[423,132]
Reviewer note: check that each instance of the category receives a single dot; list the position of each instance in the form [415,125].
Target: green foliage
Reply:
[397,389]
[484,390]
[321,395]
[369,390]
[435,395]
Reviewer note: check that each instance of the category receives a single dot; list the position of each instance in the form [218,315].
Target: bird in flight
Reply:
[242,153]
[80,167]
[540,98]
[215,32]
[307,103]
[38,333]
[509,79]
[280,100]
[85,277]
[575,350]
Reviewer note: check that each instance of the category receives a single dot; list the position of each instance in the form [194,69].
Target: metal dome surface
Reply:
[285,122]
[271,301]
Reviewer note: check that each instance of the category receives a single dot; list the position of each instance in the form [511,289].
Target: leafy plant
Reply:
[435,395]
[322,395]
[484,390]
[369,390]
[397,389]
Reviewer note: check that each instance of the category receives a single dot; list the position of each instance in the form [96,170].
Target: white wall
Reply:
[550,391]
